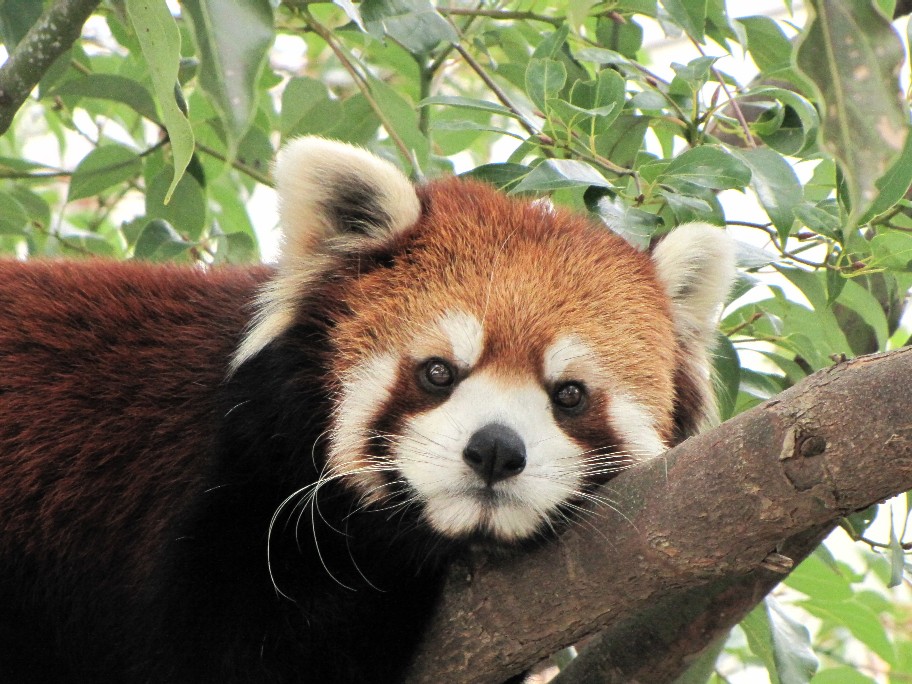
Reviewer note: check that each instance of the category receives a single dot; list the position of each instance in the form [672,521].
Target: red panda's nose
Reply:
[495,452]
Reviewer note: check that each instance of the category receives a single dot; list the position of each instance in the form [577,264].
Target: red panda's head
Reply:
[504,357]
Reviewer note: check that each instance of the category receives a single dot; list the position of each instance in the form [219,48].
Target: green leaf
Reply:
[841,675]
[403,118]
[101,168]
[233,39]
[158,241]
[626,38]
[897,556]
[502,176]
[110,87]
[868,309]
[623,141]
[861,521]
[863,623]
[160,41]
[690,15]
[892,250]
[468,103]
[771,49]
[893,185]
[414,24]
[359,122]
[241,249]
[820,580]
[553,174]
[634,225]
[853,55]
[797,130]
[351,12]
[36,207]
[700,669]
[819,219]
[187,213]
[693,75]
[707,166]
[544,80]
[16,18]
[307,108]
[776,184]
[552,44]
[13,216]
[727,375]
[781,642]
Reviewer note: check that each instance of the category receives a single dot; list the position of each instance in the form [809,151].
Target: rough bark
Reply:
[695,540]
[52,35]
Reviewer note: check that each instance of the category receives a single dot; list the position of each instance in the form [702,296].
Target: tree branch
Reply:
[52,35]
[695,539]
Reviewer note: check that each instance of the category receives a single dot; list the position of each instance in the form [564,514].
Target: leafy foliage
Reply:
[152,138]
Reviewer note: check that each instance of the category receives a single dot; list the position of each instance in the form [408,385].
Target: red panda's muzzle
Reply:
[495,452]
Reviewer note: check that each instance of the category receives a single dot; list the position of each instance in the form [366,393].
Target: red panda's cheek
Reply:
[364,389]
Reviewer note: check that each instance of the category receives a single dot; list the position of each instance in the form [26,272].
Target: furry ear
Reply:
[696,264]
[333,198]
[328,189]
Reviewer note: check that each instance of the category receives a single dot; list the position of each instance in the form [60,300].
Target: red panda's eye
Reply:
[438,373]
[570,396]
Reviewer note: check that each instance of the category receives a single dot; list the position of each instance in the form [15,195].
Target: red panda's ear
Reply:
[332,194]
[333,198]
[696,264]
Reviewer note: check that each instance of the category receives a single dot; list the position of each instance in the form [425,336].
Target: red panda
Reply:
[258,475]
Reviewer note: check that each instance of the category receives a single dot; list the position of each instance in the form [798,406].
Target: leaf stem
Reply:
[362,84]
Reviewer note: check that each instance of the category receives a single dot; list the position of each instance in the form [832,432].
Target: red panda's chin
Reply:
[483,514]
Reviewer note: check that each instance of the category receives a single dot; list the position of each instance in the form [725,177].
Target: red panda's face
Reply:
[506,358]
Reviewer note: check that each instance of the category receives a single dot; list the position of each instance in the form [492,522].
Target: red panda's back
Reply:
[108,374]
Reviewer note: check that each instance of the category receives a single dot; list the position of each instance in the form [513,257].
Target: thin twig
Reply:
[501,14]
[731,99]
[496,89]
[362,84]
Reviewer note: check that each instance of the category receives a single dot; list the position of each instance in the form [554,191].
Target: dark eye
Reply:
[571,396]
[437,374]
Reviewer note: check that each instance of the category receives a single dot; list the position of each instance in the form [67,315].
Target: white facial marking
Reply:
[465,335]
[365,389]
[636,427]
[430,456]
[569,358]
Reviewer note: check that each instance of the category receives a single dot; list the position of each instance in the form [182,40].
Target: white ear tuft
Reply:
[331,189]
[333,197]
[696,263]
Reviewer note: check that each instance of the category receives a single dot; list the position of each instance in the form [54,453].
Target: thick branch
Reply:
[51,36]
[696,528]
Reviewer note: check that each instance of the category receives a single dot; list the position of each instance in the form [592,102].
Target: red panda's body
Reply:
[255,475]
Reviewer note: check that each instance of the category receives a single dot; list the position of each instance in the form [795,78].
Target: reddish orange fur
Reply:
[532,274]
[95,353]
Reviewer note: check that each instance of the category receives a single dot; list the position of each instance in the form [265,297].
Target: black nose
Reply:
[495,452]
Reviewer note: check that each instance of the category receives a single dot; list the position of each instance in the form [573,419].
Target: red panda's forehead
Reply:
[519,277]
